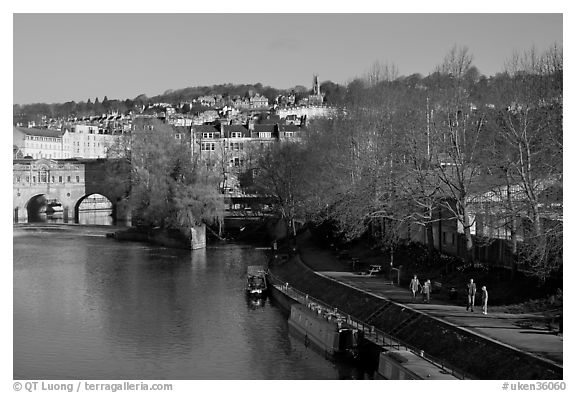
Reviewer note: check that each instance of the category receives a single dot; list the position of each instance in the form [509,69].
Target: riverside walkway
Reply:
[516,331]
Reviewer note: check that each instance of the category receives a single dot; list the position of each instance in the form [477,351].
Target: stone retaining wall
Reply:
[470,353]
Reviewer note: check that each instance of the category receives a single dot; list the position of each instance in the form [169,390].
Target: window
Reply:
[265,135]
[178,136]
[59,179]
[288,134]
[207,146]
[208,135]
[236,135]
[77,179]
[69,178]
[27,179]
[33,179]
[53,179]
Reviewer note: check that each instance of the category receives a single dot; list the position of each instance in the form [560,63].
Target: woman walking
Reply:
[426,289]
[484,300]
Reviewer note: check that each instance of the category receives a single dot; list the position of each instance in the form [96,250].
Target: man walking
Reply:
[471,295]
[414,286]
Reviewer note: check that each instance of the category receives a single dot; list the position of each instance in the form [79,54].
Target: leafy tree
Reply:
[167,189]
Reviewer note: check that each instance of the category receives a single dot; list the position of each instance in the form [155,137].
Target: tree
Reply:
[379,72]
[281,173]
[528,124]
[460,132]
[167,189]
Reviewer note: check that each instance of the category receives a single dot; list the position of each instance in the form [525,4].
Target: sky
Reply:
[61,57]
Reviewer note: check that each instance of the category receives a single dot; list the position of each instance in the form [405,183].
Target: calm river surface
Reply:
[88,307]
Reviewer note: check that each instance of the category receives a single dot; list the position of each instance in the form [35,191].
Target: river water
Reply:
[89,307]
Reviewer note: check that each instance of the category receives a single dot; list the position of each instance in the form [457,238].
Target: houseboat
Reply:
[324,330]
[256,281]
[405,364]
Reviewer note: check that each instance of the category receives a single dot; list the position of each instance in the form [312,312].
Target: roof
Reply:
[227,129]
[264,127]
[45,132]
[204,128]
[289,128]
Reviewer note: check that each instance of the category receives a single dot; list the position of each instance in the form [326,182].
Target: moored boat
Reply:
[256,281]
[325,330]
[405,364]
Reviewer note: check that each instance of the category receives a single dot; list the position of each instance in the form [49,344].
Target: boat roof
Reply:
[417,365]
[256,270]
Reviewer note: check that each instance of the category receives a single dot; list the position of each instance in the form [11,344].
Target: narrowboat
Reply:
[405,364]
[324,330]
[256,281]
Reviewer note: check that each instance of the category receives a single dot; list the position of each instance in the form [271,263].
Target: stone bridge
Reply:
[68,182]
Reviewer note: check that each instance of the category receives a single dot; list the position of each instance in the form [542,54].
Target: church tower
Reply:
[315,85]
[316,98]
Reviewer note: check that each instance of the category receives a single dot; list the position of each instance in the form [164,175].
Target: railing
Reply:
[370,332]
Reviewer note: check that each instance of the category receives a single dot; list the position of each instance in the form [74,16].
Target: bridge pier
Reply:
[122,212]
[198,237]
[20,214]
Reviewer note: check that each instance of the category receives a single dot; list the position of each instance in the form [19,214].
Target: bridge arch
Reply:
[98,202]
[34,206]
[102,202]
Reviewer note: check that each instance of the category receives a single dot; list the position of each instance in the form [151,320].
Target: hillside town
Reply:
[235,124]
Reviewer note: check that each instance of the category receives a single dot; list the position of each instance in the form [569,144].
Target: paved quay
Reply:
[516,331]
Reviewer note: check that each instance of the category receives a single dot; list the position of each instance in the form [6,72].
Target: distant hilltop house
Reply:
[258,102]
[255,102]
[286,100]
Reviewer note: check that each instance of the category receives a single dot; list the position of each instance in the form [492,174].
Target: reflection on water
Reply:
[85,217]
[89,307]
[95,217]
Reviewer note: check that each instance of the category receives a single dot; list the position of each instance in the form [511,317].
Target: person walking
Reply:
[415,286]
[484,300]
[426,290]
[471,295]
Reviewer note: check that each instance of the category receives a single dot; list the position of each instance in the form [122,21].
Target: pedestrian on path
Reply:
[471,295]
[426,290]
[484,300]
[415,286]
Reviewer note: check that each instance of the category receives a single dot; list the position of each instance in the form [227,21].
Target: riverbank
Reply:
[473,353]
